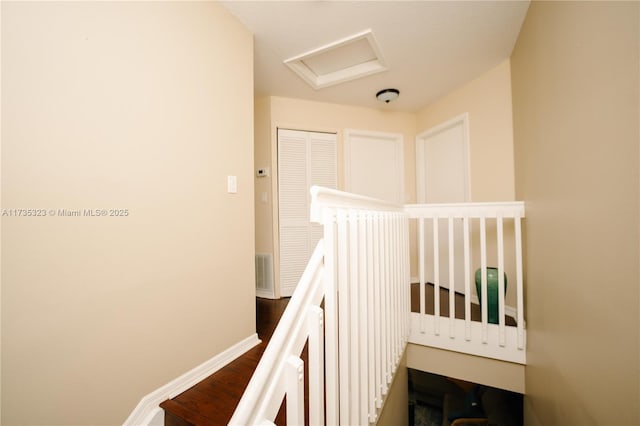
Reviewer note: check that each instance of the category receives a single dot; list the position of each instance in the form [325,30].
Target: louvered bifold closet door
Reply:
[304,159]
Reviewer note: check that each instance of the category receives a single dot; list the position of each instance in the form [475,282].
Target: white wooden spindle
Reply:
[519,281]
[467,280]
[422,284]
[354,308]
[371,339]
[343,315]
[378,308]
[406,277]
[387,304]
[452,281]
[395,291]
[331,323]
[295,391]
[436,277]
[483,279]
[501,288]
[392,325]
[384,330]
[316,365]
[407,267]
[363,320]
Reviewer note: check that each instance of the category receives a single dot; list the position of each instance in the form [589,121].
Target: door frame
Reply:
[422,139]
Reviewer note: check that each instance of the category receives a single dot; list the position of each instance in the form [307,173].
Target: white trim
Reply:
[265,294]
[422,138]
[506,209]
[148,409]
[490,349]
[332,198]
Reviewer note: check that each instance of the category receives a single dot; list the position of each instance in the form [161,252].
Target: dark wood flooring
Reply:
[213,401]
[476,313]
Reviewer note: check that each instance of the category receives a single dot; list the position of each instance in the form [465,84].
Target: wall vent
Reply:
[264,275]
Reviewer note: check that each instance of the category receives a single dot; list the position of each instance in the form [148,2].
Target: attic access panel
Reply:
[344,60]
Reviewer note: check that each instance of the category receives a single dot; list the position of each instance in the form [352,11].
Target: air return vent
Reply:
[264,275]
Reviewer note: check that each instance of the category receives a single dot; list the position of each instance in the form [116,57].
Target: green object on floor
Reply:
[492,292]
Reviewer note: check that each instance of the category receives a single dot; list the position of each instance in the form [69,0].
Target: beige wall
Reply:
[575,95]
[487,100]
[395,411]
[324,117]
[139,106]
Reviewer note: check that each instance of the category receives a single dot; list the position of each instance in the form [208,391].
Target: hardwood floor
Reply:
[476,313]
[213,401]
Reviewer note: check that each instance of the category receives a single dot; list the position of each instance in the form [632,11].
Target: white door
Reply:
[374,164]
[304,159]
[443,177]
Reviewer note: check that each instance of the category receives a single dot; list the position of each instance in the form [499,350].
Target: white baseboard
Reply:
[148,411]
[265,294]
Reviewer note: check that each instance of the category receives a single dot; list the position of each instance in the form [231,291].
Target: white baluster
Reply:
[467,280]
[371,348]
[385,303]
[519,281]
[394,291]
[354,307]
[343,315]
[436,277]
[316,365]
[422,284]
[363,289]
[378,308]
[452,281]
[331,323]
[295,391]
[483,280]
[502,331]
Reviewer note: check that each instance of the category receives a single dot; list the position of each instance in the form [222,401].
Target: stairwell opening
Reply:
[436,400]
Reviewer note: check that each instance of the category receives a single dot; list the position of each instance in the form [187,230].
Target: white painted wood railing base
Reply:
[474,346]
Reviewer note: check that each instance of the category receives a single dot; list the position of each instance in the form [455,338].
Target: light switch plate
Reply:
[232,184]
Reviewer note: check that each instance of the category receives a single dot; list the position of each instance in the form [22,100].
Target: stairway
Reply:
[213,401]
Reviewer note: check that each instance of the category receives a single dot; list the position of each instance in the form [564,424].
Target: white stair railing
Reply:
[280,371]
[367,301]
[463,223]
[361,271]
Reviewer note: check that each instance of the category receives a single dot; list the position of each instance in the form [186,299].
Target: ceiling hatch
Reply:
[347,59]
